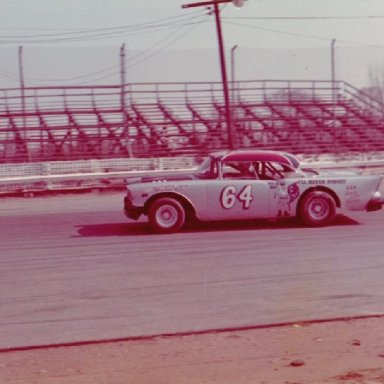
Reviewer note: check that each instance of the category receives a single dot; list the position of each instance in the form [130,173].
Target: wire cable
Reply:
[100,33]
[161,45]
[302,35]
[8,75]
[307,17]
[74,78]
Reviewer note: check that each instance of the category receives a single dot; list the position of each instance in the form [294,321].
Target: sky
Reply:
[77,42]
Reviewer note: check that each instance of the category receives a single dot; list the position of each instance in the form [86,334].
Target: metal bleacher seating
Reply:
[177,119]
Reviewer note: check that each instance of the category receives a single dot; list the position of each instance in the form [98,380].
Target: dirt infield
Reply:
[348,351]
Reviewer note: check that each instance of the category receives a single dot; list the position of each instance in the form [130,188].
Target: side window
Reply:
[271,171]
[277,171]
[231,171]
[284,171]
[239,170]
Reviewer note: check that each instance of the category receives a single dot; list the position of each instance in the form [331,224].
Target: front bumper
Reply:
[375,204]
[130,210]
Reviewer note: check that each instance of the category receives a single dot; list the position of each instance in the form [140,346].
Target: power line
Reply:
[301,35]
[151,52]
[93,30]
[307,17]
[98,78]
[99,33]
[8,75]
[277,31]
[161,45]
[95,37]
[77,77]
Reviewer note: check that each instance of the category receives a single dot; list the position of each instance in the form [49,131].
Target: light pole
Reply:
[123,95]
[333,76]
[233,88]
[333,80]
[215,3]
[23,106]
[233,72]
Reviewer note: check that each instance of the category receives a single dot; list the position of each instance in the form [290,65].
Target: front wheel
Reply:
[317,209]
[166,215]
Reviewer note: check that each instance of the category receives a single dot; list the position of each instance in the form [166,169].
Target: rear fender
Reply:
[322,189]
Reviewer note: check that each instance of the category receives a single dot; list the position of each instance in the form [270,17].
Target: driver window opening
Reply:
[256,170]
[239,170]
[271,171]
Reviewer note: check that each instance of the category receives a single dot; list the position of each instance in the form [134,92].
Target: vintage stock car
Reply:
[249,184]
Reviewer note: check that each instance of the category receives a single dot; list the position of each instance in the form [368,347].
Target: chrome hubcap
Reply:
[318,209]
[167,216]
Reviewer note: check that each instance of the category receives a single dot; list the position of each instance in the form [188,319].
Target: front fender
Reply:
[182,199]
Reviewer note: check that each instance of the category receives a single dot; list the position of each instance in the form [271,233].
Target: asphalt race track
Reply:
[73,268]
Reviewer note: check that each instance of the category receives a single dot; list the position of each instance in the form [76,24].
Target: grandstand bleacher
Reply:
[176,119]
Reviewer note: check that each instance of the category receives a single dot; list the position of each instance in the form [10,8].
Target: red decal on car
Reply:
[293,192]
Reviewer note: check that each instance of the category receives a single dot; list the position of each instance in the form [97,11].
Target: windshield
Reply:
[295,162]
[207,169]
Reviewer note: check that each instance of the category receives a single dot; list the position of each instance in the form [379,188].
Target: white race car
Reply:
[249,184]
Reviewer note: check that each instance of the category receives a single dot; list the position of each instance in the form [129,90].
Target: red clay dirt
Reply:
[345,351]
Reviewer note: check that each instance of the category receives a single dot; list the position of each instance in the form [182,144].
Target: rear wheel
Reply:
[317,209]
[166,215]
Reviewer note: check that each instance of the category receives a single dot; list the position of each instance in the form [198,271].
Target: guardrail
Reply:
[27,178]
[362,165]
[106,179]
[89,176]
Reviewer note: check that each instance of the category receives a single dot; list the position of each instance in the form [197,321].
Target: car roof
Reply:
[258,155]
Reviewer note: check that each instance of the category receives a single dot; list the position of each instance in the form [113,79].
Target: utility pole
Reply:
[215,3]
[123,93]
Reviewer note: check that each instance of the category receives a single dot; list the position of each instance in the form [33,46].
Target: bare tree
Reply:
[376,84]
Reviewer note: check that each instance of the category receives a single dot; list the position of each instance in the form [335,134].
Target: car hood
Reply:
[336,173]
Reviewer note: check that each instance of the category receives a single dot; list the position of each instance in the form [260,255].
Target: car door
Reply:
[238,199]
